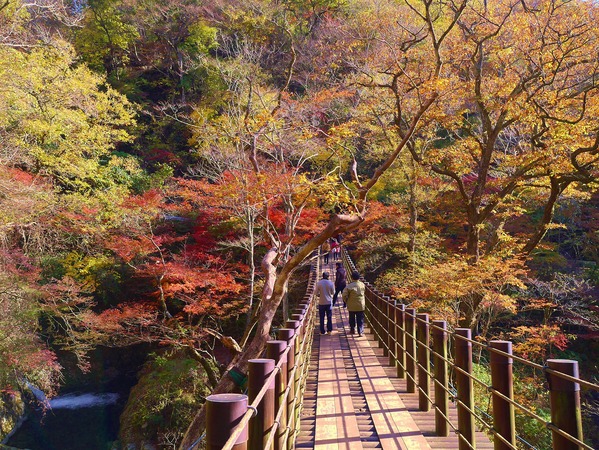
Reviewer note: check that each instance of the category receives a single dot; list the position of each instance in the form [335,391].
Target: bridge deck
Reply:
[359,403]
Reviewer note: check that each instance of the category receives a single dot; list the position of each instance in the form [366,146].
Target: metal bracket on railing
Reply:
[254,409]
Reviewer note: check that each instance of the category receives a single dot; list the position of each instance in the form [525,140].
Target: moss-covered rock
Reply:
[171,389]
[12,409]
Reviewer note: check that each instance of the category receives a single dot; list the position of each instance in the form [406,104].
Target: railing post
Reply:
[400,336]
[387,329]
[223,413]
[287,335]
[463,360]
[294,413]
[441,379]
[368,310]
[392,331]
[381,321]
[502,380]
[410,320]
[424,362]
[258,372]
[275,350]
[305,306]
[565,403]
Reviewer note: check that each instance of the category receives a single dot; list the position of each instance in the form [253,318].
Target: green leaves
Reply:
[61,120]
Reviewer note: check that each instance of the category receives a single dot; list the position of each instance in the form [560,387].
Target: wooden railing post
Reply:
[305,306]
[400,336]
[382,331]
[223,413]
[258,372]
[387,329]
[368,310]
[424,362]
[410,321]
[287,335]
[502,381]
[463,360]
[275,350]
[392,330]
[565,403]
[294,412]
[441,380]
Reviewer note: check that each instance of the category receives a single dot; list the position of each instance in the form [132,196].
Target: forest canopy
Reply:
[166,166]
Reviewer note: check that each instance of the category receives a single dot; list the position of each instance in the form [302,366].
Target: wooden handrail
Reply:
[299,339]
[382,314]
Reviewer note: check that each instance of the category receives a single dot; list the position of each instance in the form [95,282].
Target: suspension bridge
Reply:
[406,384]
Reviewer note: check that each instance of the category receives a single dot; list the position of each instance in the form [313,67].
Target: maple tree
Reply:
[438,136]
[522,112]
[267,132]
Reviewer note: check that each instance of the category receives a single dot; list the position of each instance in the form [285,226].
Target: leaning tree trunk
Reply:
[274,291]
[556,189]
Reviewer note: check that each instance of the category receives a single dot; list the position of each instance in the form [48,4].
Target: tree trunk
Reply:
[413,209]
[556,189]
[251,250]
[275,288]
[473,243]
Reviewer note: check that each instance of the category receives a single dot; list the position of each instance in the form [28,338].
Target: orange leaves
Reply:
[128,248]
[471,291]
[536,342]
[148,201]
[117,320]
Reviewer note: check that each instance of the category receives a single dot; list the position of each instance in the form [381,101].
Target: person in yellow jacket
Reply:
[353,296]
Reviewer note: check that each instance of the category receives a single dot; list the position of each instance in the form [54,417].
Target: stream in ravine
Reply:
[85,416]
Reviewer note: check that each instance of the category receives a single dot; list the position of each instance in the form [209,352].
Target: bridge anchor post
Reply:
[565,403]
[440,338]
[465,407]
[502,381]
[223,413]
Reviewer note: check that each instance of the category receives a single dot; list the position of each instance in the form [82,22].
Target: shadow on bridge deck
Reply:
[354,400]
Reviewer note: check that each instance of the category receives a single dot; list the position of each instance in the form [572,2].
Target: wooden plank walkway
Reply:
[425,420]
[359,403]
[394,426]
[336,423]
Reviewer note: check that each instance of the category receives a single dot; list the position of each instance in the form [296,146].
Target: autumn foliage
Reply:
[167,166]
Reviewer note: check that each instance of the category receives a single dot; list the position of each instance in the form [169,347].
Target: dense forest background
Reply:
[167,165]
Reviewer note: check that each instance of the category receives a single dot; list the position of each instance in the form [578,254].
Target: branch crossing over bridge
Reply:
[394,388]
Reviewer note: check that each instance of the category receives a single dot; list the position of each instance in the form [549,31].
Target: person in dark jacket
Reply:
[340,281]
[326,249]
[324,292]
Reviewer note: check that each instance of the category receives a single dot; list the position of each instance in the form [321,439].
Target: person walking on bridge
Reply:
[326,250]
[354,298]
[335,249]
[324,291]
[340,281]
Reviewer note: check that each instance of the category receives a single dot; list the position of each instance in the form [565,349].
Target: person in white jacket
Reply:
[325,289]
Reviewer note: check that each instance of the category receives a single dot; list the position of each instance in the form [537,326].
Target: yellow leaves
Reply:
[328,193]
[86,268]
[479,289]
[59,116]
